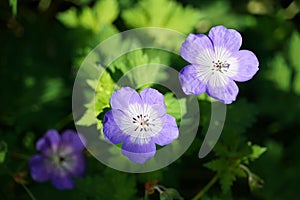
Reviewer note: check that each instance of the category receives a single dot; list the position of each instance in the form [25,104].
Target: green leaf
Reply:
[106,11]
[140,67]
[216,165]
[205,97]
[174,108]
[89,118]
[226,181]
[162,13]
[54,88]
[165,196]
[298,3]
[103,91]
[173,193]
[220,12]
[3,151]
[257,151]
[14,4]
[227,171]
[28,140]
[96,19]
[69,18]
[87,19]
[294,49]
[239,117]
[122,186]
[280,73]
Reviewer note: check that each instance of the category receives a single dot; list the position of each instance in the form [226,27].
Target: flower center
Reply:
[220,66]
[57,160]
[142,122]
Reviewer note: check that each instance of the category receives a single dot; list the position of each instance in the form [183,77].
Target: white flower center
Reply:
[141,122]
[221,66]
[57,160]
[216,66]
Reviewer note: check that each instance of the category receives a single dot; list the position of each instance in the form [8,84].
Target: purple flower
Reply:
[216,62]
[61,159]
[139,121]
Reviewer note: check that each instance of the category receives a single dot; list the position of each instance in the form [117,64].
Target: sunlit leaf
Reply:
[103,90]
[257,151]
[219,12]
[89,118]
[280,73]
[139,68]
[14,4]
[106,11]
[69,18]
[87,19]
[295,61]
[54,88]
[173,106]
[3,151]
[102,14]
[162,13]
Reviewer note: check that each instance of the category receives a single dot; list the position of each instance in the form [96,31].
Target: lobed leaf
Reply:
[162,13]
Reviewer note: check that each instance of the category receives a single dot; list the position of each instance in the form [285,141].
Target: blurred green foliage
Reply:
[44,42]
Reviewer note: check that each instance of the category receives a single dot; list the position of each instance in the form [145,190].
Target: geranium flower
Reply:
[216,62]
[139,121]
[61,159]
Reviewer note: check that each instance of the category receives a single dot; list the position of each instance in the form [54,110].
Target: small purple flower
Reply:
[216,62]
[139,121]
[61,159]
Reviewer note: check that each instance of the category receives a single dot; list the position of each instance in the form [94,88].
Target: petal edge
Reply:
[190,82]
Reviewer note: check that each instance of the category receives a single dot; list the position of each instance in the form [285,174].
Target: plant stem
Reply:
[158,189]
[146,196]
[246,169]
[206,188]
[28,192]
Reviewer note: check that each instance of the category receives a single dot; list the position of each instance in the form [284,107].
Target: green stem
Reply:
[146,196]
[28,192]
[246,169]
[206,188]
[158,189]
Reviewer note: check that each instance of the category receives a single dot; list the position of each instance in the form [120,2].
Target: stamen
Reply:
[220,66]
[142,122]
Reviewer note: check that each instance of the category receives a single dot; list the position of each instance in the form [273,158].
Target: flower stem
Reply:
[206,188]
[246,169]
[28,192]
[158,189]
[146,196]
